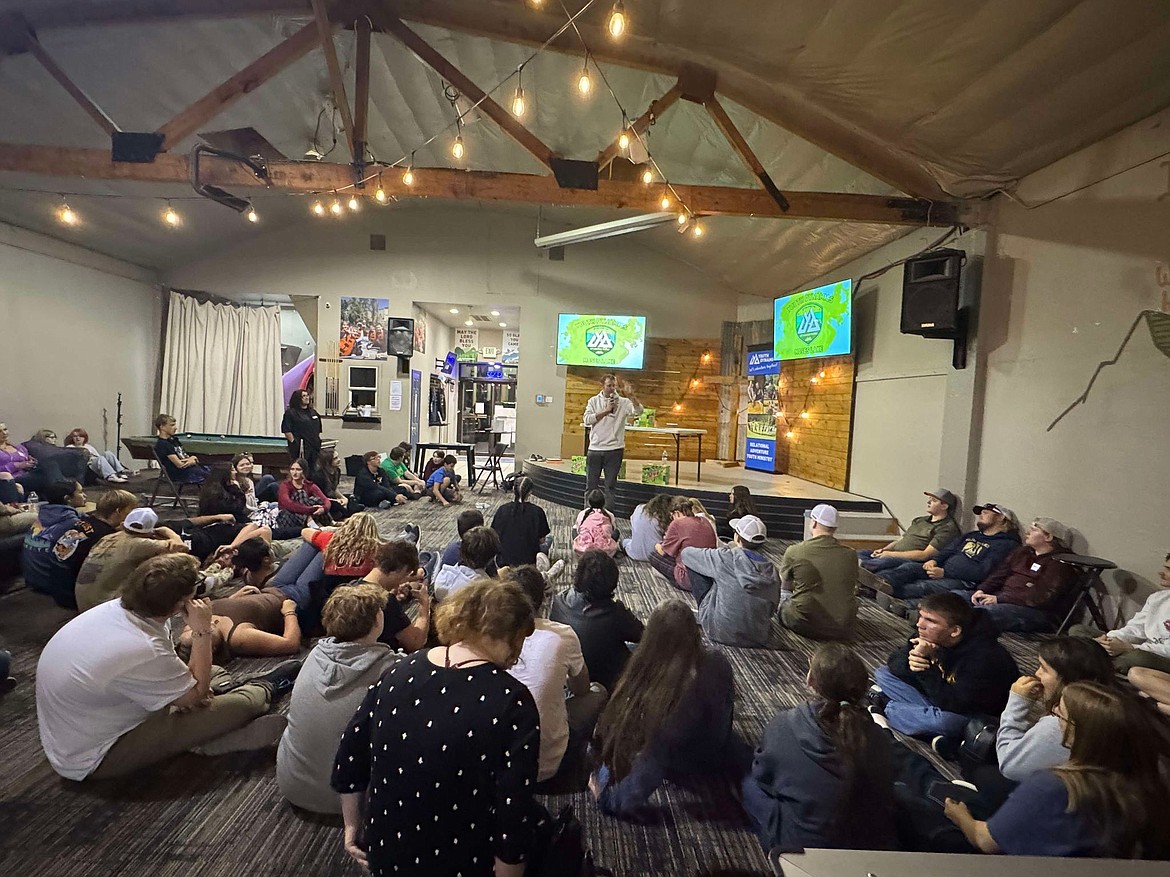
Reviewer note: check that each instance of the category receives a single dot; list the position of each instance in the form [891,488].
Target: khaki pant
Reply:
[166,734]
[21,522]
[1137,657]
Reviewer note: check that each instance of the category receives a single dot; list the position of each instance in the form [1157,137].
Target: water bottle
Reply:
[33,500]
[665,459]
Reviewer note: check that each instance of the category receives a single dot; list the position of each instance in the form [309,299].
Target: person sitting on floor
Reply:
[442,485]
[685,531]
[330,687]
[396,571]
[700,511]
[70,461]
[594,527]
[955,669]
[435,462]
[467,519]
[736,587]
[603,625]
[523,529]
[819,582]
[550,664]
[479,547]
[965,562]
[221,497]
[1029,589]
[1154,684]
[924,538]
[740,505]
[421,480]
[115,557]
[372,487]
[823,774]
[648,525]
[108,679]
[104,464]
[15,519]
[1107,801]
[53,558]
[57,516]
[394,465]
[326,474]
[260,495]
[301,501]
[182,468]
[669,716]
[1145,640]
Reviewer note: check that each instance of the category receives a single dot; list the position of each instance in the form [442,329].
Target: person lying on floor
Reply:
[823,773]
[478,548]
[1145,640]
[819,581]
[736,587]
[550,664]
[330,687]
[603,625]
[594,528]
[953,670]
[394,465]
[53,558]
[685,531]
[669,716]
[114,557]
[114,698]
[924,538]
[1107,801]
[443,486]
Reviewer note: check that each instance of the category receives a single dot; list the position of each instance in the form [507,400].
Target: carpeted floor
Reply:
[205,817]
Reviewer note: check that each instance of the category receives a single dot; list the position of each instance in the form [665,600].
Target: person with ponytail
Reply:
[523,528]
[669,716]
[823,774]
[595,528]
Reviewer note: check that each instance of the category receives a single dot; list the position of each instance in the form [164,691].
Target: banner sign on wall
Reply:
[763,393]
[511,354]
[467,345]
[761,360]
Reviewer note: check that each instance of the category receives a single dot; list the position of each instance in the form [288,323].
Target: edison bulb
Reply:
[697,231]
[66,215]
[335,207]
[617,20]
[647,176]
[682,219]
[457,148]
[624,140]
[584,82]
[380,195]
[171,217]
[318,208]
[665,202]
[518,104]
[354,204]
[252,215]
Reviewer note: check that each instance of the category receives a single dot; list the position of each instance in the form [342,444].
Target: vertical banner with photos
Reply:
[763,407]
[511,352]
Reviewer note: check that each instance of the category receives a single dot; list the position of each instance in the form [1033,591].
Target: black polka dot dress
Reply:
[449,756]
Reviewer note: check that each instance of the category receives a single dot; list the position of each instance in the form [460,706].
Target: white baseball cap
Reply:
[141,521]
[750,529]
[825,515]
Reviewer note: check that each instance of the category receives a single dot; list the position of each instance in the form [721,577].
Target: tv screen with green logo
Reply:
[601,340]
[816,322]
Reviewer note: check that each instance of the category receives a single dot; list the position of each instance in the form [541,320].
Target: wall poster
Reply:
[511,354]
[763,409]
[420,330]
[363,328]
[467,345]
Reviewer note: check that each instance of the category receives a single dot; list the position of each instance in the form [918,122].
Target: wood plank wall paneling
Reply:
[669,365]
[820,449]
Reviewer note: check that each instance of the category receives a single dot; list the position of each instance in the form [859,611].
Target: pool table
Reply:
[268,451]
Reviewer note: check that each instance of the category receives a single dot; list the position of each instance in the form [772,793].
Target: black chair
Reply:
[491,465]
[176,488]
[1084,594]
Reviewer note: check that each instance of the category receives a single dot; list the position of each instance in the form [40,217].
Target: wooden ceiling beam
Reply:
[311,177]
[361,89]
[336,82]
[268,65]
[452,74]
[743,150]
[33,47]
[641,124]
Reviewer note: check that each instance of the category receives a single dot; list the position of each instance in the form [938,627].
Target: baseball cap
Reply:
[1055,529]
[825,515]
[999,508]
[750,528]
[141,521]
[943,495]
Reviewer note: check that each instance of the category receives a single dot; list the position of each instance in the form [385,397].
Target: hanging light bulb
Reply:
[518,106]
[624,139]
[584,81]
[812,380]
[617,20]
[677,407]
[66,214]
[408,177]
[665,202]
[695,382]
[454,310]
[647,176]
[251,215]
[171,216]
[790,435]
[380,195]
[335,208]
[457,148]
[822,374]
[804,415]
[354,204]
[697,231]
[706,356]
[318,208]
[682,218]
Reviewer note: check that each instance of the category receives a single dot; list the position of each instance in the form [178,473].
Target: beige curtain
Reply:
[221,367]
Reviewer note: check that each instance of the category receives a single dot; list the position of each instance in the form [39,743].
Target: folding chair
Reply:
[491,466]
[164,478]
[1084,592]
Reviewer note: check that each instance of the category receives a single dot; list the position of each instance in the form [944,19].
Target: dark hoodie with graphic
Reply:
[972,677]
[52,558]
[802,798]
[973,556]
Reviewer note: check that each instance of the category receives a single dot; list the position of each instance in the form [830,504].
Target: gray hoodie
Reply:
[328,690]
[738,609]
[1024,748]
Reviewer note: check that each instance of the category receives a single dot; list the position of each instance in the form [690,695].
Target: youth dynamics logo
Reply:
[810,319]
[600,340]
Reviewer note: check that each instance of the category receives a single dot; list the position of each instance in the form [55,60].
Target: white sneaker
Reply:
[542,562]
[880,720]
[554,570]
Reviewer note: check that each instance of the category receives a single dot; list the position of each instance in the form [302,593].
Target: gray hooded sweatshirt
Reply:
[328,690]
[738,609]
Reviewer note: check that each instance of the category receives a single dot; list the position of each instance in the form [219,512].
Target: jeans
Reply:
[196,474]
[545,544]
[917,588]
[664,563]
[878,564]
[700,584]
[1013,618]
[595,463]
[298,572]
[267,488]
[106,464]
[912,713]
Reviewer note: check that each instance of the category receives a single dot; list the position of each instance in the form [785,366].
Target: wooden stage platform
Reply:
[782,499]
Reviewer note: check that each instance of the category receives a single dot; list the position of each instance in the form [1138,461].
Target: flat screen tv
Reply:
[601,340]
[816,322]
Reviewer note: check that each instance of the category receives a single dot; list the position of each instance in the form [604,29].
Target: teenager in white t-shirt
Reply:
[551,661]
[112,695]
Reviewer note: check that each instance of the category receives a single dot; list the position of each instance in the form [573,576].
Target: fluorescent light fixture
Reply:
[629,225]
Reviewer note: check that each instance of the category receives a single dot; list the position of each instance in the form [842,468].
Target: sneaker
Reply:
[965,785]
[280,678]
[554,570]
[260,733]
[880,720]
[946,747]
[543,564]
[876,700]
[6,685]
[385,504]
[411,532]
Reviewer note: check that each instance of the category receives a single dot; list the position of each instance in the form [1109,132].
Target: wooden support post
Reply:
[361,97]
[740,145]
[336,82]
[83,100]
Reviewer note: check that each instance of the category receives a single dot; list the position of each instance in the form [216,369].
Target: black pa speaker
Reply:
[930,294]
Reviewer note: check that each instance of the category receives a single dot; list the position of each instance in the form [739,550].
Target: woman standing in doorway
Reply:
[302,428]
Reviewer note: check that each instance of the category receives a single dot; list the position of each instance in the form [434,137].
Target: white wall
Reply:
[442,253]
[78,329]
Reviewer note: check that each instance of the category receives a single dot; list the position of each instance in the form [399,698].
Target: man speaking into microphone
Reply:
[606,415]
